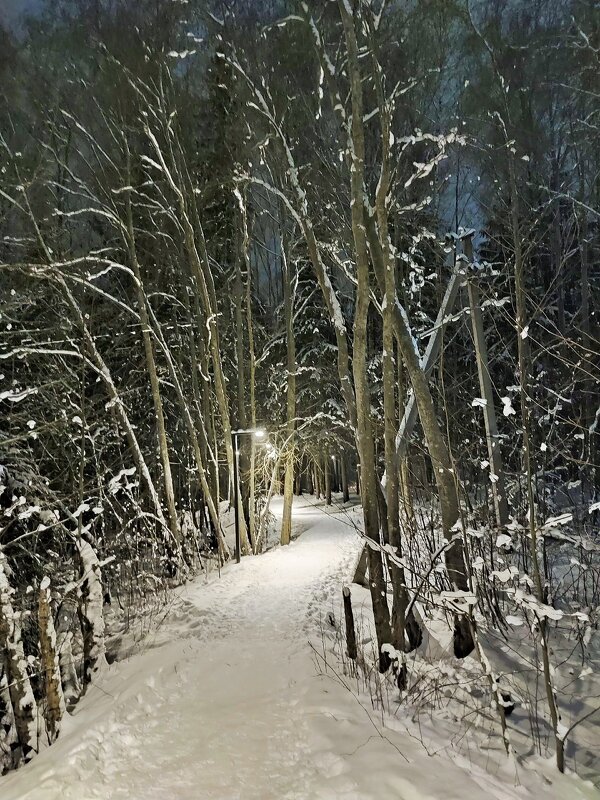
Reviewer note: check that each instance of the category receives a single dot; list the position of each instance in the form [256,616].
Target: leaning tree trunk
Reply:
[203,414]
[161,431]
[103,373]
[436,444]
[487,393]
[117,405]
[196,448]
[202,280]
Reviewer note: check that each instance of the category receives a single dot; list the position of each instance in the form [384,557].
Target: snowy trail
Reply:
[214,713]
[225,702]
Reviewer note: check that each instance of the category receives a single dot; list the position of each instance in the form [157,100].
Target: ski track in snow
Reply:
[225,701]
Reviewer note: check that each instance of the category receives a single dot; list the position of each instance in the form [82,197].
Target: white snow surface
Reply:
[224,700]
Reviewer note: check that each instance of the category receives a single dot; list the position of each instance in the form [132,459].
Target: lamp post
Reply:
[258,433]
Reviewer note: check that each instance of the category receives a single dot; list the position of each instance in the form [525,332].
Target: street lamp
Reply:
[258,433]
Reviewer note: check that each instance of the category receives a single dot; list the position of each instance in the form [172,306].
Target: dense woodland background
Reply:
[219,216]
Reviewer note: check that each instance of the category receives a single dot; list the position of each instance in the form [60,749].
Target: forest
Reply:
[273,266]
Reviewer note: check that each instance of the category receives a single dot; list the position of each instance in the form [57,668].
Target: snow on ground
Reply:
[225,700]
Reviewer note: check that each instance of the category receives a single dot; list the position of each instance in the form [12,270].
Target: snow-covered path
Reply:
[225,701]
[216,711]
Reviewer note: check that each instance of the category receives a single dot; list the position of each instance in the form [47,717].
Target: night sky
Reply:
[11,11]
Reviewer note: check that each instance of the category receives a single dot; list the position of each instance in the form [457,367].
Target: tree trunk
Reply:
[310,487]
[251,358]
[344,478]
[364,433]
[9,754]
[161,432]
[196,449]
[487,394]
[65,620]
[203,282]
[22,698]
[50,667]
[523,361]
[327,475]
[91,614]
[350,629]
[118,406]
[288,487]
[202,414]
[436,445]
[245,442]
[400,597]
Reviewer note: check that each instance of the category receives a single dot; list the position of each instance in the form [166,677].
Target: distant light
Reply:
[258,433]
